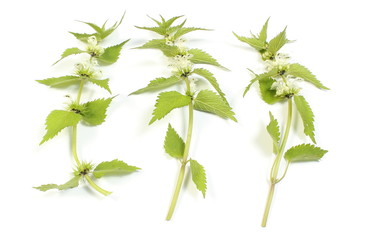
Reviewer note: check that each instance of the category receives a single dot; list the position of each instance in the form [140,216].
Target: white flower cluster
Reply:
[285,88]
[93,48]
[88,69]
[181,64]
[280,61]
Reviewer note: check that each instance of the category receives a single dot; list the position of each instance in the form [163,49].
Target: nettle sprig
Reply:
[279,84]
[90,113]
[182,62]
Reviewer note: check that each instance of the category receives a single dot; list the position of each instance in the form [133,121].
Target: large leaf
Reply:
[300,71]
[274,131]
[169,51]
[166,102]
[201,57]
[307,116]
[158,84]
[198,175]
[208,101]
[74,182]
[111,54]
[57,120]
[256,43]
[95,111]
[69,52]
[267,94]
[277,42]
[174,145]
[104,83]
[60,81]
[304,153]
[115,167]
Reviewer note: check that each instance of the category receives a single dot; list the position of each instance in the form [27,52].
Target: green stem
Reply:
[276,164]
[96,187]
[184,160]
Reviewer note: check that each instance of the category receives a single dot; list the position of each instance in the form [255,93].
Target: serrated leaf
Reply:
[74,182]
[198,175]
[115,167]
[82,36]
[208,101]
[267,94]
[166,102]
[158,84]
[174,145]
[57,120]
[110,30]
[201,57]
[157,30]
[168,23]
[60,81]
[211,79]
[278,42]
[95,111]
[111,54]
[104,83]
[168,51]
[274,131]
[182,31]
[300,71]
[258,77]
[263,32]
[93,26]
[307,116]
[69,52]
[304,153]
[253,42]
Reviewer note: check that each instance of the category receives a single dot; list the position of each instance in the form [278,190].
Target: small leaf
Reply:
[68,52]
[110,30]
[168,23]
[82,36]
[166,102]
[257,77]
[253,42]
[277,42]
[182,31]
[93,26]
[158,84]
[208,101]
[304,153]
[174,145]
[57,120]
[211,79]
[115,167]
[168,51]
[157,30]
[74,182]
[111,54]
[307,116]
[300,71]
[101,83]
[95,111]
[263,32]
[267,94]
[201,57]
[274,131]
[60,81]
[198,175]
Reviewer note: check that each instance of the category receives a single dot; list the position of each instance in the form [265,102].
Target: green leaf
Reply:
[115,167]
[174,145]
[57,120]
[157,30]
[211,79]
[304,153]
[82,36]
[253,42]
[95,111]
[278,42]
[300,71]
[201,57]
[68,52]
[101,83]
[274,131]
[158,84]
[307,116]
[182,31]
[93,26]
[263,32]
[111,54]
[268,95]
[198,175]
[169,51]
[257,77]
[208,101]
[74,182]
[110,30]
[168,23]
[60,81]
[166,102]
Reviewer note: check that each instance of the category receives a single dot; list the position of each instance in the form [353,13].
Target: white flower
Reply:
[88,69]
[180,43]
[285,88]
[93,48]
[181,64]
[281,61]
[193,85]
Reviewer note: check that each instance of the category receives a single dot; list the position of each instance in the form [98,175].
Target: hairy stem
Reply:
[275,168]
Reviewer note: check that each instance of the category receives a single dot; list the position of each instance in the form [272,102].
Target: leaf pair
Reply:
[92,113]
[175,147]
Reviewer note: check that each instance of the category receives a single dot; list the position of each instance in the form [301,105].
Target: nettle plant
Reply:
[182,62]
[90,113]
[279,84]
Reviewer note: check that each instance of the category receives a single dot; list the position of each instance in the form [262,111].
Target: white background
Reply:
[315,201]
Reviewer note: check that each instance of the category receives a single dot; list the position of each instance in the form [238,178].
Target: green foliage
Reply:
[69,52]
[169,51]
[267,94]
[300,71]
[115,167]
[174,145]
[158,84]
[274,131]
[259,77]
[101,83]
[198,175]
[277,42]
[201,57]
[166,102]
[111,54]
[254,42]
[208,101]
[263,33]
[304,153]
[74,182]
[60,81]
[82,36]
[95,111]
[182,31]
[57,120]
[307,116]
